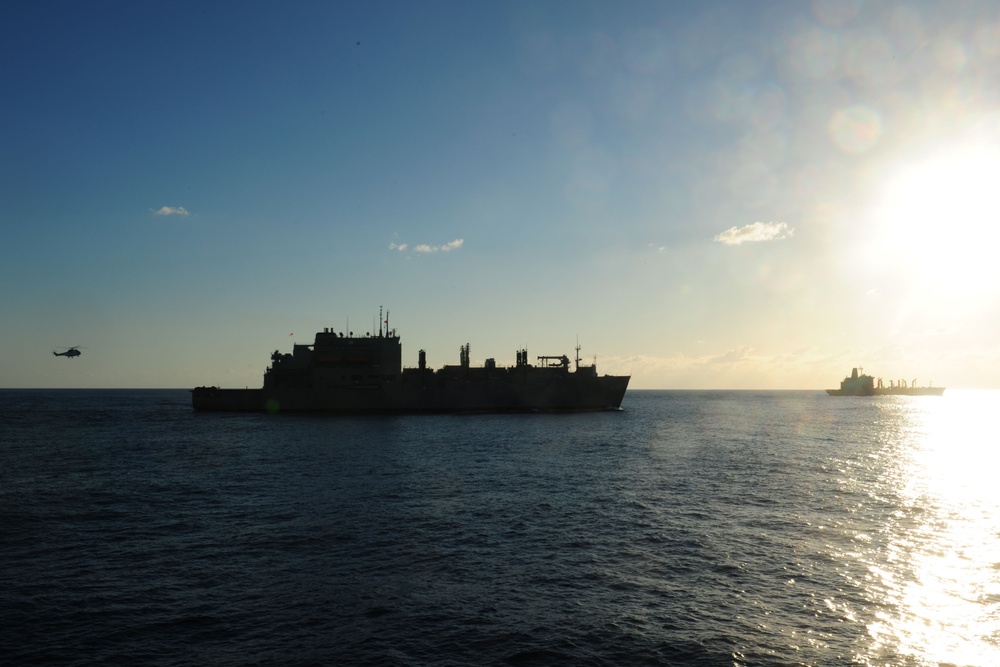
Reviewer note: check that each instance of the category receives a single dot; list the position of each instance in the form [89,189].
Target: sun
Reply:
[941,218]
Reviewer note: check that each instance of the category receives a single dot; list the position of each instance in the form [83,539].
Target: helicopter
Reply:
[70,352]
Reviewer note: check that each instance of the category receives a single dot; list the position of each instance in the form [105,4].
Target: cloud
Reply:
[425,248]
[755,233]
[680,363]
[171,210]
[733,356]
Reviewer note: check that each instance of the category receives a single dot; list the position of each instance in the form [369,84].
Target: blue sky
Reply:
[708,195]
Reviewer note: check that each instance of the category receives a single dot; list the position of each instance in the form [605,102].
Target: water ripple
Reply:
[694,528]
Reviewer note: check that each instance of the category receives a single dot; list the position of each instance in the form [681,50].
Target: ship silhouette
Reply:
[350,374]
[859,384]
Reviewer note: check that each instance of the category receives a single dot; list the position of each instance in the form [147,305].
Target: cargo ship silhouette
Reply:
[859,384]
[346,374]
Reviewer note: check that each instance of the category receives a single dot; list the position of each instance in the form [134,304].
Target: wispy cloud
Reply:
[425,248]
[741,367]
[734,356]
[171,210]
[680,363]
[755,233]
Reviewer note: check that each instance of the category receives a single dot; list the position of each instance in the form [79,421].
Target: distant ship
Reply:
[866,385]
[361,375]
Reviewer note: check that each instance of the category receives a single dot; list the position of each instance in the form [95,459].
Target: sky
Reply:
[703,195]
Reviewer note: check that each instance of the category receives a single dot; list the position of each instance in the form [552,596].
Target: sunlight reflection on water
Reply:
[937,585]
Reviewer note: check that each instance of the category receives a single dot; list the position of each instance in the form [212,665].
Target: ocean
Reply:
[690,528]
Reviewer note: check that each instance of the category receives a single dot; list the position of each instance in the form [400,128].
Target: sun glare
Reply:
[941,218]
[944,587]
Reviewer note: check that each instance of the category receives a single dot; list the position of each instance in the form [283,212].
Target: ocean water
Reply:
[691,528]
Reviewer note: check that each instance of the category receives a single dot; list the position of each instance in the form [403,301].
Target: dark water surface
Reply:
[692,528]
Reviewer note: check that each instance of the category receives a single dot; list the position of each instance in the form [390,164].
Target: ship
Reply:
[860,384]
[348,374]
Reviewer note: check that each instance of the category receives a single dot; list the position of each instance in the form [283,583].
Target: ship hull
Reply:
[908,391]
[849,392]
[562,394]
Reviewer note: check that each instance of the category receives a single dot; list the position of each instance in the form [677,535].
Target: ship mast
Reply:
[577,367]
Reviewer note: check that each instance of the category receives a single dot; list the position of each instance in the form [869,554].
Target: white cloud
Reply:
[171,210]
[755,233]
[733,356]
[425,248]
